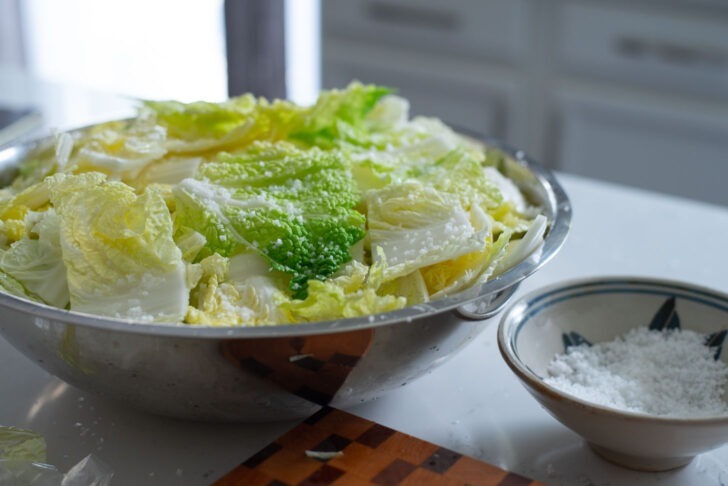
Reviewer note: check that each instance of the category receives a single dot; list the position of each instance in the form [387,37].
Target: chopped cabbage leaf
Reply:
[203,126]
[390,112]
[11,286]
[21,445]
[338,117]
[416,226]
[190,243]
[118,249]
[121,149]
[522,248]
[461,174]
[170,170]
[411,286]
[425,149]
[467,271]
[32,198]
[295,207]
[236,291]
[508,189]
[350,294]
[201,120]
[35,261]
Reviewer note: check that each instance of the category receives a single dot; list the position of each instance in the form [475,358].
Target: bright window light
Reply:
[160,49]
[303,50]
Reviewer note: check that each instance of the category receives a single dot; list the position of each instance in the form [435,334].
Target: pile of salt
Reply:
[660,373]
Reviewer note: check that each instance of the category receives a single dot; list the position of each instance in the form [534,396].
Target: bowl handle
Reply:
[487,306]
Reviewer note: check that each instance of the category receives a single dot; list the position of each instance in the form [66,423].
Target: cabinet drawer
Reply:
[480,111]
[662,48]
[481,28]
[679,150]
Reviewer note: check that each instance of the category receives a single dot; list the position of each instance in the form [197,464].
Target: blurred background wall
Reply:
[12,50]
[634,92]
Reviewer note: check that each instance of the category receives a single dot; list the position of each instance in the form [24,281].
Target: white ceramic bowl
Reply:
[535,328]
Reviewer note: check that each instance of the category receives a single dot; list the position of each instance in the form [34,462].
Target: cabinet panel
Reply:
[482,28]
[679,150]
[656,47]
[475,110]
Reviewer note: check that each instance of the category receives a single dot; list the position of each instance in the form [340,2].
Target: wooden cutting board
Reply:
[361,452]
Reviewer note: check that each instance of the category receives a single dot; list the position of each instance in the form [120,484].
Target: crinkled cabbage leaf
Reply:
[295,207]
[118,249]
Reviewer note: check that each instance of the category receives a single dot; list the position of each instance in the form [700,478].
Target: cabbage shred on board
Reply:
[250,212]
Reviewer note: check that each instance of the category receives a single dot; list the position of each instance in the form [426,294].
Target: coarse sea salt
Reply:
[663,373]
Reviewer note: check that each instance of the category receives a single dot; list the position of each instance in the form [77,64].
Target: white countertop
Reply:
[472,404]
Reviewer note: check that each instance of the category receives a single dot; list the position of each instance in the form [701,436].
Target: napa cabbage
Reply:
[352,293]
[295,207]
[237,291]
[118,249]
[35,260]
[257,212]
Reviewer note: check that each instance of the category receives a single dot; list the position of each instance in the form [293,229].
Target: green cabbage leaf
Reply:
[352,293]
[295,207]
[339,117]
[21,445]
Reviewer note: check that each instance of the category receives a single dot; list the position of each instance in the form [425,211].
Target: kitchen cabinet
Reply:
[664,147]
[629,92]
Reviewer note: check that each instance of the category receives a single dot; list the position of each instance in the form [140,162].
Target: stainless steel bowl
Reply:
[271,372]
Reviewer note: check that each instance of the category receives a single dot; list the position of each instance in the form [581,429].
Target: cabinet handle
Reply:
[413,16]
[671,53]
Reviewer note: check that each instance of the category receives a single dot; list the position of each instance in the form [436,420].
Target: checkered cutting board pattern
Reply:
[370,454]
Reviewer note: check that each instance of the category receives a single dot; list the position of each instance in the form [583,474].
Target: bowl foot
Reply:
[641,463]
